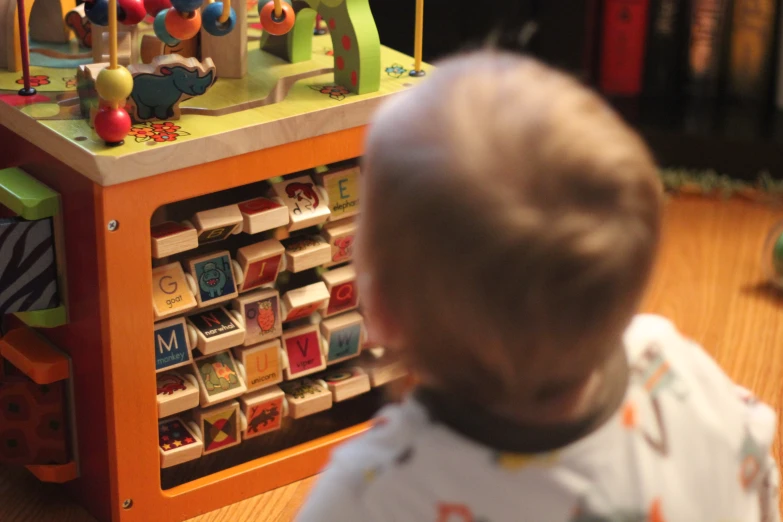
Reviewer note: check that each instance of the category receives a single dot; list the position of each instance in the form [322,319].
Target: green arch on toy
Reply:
[355,40]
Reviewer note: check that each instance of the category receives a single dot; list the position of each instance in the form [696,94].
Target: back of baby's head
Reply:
[511,221]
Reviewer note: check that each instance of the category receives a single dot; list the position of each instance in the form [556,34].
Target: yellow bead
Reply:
[114,85]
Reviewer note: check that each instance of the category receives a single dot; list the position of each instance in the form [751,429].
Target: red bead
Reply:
[131,12]
[154,7]
[112,125]
[274,25]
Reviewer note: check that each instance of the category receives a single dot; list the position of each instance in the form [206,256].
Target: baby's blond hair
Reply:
[511,221]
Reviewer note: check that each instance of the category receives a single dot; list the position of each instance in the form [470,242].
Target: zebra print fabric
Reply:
[28,273]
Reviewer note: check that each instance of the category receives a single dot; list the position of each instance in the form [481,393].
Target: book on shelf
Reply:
[623,46]
[708,23]
[664,69]
[752,41]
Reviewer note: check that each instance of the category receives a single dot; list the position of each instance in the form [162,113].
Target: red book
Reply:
[623,46]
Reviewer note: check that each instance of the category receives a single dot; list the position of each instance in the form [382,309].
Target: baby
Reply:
[510,223]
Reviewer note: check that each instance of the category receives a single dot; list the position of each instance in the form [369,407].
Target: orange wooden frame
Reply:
[130,466]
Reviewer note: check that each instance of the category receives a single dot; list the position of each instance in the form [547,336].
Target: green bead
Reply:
[777,256]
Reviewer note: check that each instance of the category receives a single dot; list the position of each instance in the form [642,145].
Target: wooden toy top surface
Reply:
[304,103]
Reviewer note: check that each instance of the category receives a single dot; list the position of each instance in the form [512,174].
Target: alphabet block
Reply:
[171,294]
[177,392]
[263,411]
[263,364]
[303,349]
[340,236]
[217,224]
[343,336]
[217,330]
[262,214]
[177,443]
[304,302]
[346,382]
[304,253]
[306,397]
[260,311]
[305,201]
[218,378]
[172,345]
[171,238]
[260,263]
[343,292]
[214,276]
[381,370]
[342,189]
[220,426]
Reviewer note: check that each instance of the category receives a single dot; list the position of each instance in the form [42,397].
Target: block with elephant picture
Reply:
[218,378]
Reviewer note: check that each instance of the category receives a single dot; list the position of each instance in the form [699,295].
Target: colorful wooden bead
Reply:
[153,7]
[183,26]
[210,20]
[159,25]
[97,11]
[114,84]
[130,12]
[112,125]
[186,6]
[271,23]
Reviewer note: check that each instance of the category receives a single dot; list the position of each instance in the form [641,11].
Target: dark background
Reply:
[742,141]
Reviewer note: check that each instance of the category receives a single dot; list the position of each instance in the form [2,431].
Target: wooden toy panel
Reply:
[260,349]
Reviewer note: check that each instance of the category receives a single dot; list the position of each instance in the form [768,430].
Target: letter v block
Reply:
[303,347]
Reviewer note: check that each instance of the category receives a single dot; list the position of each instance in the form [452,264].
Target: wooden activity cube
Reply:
[256,324]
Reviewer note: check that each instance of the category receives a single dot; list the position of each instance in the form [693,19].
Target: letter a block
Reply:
[172,345]
[171,293]
[303,348]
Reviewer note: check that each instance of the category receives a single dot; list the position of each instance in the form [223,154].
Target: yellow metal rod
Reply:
[112,34]
[419,43]
[278,8]
[226,14]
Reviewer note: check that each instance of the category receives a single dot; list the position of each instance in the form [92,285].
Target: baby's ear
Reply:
[382,329]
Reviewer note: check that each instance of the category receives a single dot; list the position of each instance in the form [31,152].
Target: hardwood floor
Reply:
[708,280]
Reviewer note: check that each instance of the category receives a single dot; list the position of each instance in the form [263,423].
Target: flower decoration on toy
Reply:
[277,17]
[773,255]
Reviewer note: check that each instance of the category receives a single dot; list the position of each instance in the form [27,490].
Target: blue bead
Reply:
[159,25]
[186,6]
[97,11]
[210,20]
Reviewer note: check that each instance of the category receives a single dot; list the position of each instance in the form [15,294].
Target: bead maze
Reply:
[191,198]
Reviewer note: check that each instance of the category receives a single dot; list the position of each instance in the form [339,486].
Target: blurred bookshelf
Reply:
[722,123]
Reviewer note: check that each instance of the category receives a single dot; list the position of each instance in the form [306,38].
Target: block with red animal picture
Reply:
[218,377]
[171,238]
[346,382]
[302,345]
[177,442]
[343,336]
[261,365]
[263,411]
[260,311]
[304,253]
[341,184]
[220,426]
[343,291]
[306,202]
[260,264]
[262,214]
[177,392]
[216,330]
[217,224]
[304,301]
[340,236]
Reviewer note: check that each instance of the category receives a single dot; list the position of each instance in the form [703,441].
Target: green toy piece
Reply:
[26,196]
[777,256]
[355,40]
[218,377]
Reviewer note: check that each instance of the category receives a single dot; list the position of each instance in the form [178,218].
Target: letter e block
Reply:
[342,189]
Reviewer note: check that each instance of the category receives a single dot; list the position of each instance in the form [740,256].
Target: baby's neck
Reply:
[522,432]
